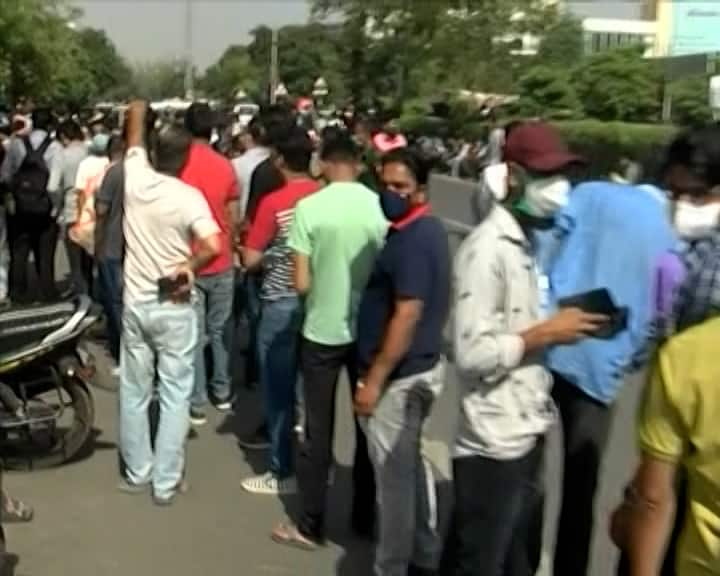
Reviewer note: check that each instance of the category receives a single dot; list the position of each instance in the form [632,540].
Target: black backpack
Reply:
[31,180]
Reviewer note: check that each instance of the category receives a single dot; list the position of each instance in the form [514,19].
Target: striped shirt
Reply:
[269,233]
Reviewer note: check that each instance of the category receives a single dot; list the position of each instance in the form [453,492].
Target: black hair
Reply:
[296,150]
[70,130]
[269,121]
[42,119]
[340,148]
[698,151]
[200,120]
[171,147]
[415,162]
[116,146]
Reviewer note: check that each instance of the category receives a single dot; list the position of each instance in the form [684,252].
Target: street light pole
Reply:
[274,76]
[189,72]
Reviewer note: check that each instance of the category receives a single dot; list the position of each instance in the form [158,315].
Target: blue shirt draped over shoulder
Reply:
[608,236]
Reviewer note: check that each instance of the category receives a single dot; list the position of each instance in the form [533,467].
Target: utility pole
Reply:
[189,72]
[274,75]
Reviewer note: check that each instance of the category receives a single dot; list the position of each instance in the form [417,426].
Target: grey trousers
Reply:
[406,497]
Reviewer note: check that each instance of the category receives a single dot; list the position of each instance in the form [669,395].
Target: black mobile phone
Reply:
[168,285]
[600,301]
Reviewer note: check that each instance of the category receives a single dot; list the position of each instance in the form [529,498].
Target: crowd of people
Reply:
[327,244]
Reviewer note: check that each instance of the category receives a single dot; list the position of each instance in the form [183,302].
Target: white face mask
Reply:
[545,196]
[693,221]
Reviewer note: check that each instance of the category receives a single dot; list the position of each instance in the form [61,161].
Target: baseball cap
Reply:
[537,146]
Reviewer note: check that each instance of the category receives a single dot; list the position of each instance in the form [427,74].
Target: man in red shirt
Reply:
[214,176]
[281,309]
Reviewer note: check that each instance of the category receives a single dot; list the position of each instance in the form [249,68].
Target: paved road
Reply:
[85,528]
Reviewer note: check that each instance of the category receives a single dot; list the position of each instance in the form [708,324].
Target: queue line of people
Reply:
[557,294]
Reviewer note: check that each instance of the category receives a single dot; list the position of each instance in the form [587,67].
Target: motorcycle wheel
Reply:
[71,439]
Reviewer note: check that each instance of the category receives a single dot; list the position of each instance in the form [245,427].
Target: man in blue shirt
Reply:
[400,335]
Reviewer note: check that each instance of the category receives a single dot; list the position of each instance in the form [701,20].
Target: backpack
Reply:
[31,180]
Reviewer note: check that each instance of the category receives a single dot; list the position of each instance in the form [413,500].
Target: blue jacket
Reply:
[608,236]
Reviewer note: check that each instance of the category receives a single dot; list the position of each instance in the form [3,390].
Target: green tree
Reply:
[562,42]
[619,85]
[548,93]
[234,71]
[111,74]
[690,101]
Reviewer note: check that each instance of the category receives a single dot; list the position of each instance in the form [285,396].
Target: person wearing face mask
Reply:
[688,294]
[499,336]
[601,236]
[400,338]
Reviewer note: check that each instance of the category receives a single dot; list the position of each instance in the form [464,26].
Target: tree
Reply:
[111,74]
[690,101]
[234,71]
[620,85]
[548,93]
[562,43]
[160,79]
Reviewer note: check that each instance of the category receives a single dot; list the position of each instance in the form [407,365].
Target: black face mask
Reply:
[394,206]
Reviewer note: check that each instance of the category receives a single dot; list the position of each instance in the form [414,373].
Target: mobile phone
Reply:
[168,285]
[600,301]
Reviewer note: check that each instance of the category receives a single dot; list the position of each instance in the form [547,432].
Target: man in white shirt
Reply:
[162,218]
[498,339]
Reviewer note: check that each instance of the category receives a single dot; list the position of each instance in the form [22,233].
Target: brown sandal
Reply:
[287,533]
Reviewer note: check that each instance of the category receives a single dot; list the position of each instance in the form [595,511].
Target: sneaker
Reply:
[224,406]
[270,485]
[182,488]
[260,440]
[128,487]
[197,416]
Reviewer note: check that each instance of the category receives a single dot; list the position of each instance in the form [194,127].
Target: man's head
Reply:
[293,152]
[116,148]
[170,149]
[70,131]
[538,163]
[405,176]
[200,121]
[340,158]
[692,174]
[42,119]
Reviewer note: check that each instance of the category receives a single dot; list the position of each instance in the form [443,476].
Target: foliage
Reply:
[112,77]
[690,101]
[619,85]
[548,93]
[562,43]
[234,71]
[160,79]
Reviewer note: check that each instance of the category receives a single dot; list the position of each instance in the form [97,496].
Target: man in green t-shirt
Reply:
[336,236]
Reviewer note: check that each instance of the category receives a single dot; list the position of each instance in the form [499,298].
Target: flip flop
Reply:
[287,533]
[15,511]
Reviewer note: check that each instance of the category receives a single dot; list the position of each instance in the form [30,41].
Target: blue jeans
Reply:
[110,276]
[277,341]
[213,307]
[163,337]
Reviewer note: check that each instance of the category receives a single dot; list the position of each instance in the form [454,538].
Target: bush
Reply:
[604,144]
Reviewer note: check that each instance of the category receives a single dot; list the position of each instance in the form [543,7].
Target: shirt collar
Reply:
[415,213]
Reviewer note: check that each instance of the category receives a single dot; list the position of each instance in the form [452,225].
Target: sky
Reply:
[147,30]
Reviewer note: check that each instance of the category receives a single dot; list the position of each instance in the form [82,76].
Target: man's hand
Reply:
[183,291]
[135,118]
[572,324]
[366,398]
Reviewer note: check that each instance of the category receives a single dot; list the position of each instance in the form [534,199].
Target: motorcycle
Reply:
[46,406]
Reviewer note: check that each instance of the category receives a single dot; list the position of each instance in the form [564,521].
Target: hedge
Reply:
[602,144]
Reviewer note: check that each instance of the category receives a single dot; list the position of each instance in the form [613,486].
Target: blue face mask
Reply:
[394,206]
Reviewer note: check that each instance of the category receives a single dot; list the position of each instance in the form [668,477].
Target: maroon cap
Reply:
[538,147]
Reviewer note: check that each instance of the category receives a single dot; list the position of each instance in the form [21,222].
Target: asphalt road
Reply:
[84,527]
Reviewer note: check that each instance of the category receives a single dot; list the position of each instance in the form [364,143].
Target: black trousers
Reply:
[81,267]
[586,426]
[39,235]
[497,528]
[321,366]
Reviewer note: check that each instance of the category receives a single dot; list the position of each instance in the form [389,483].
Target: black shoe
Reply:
[197,416]
[259,440]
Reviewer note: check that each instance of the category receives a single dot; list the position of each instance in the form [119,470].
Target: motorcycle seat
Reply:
[22,326]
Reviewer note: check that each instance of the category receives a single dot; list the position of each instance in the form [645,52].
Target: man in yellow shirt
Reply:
[679,425]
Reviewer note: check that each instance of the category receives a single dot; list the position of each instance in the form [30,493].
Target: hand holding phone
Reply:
[177,286]
[600,301]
